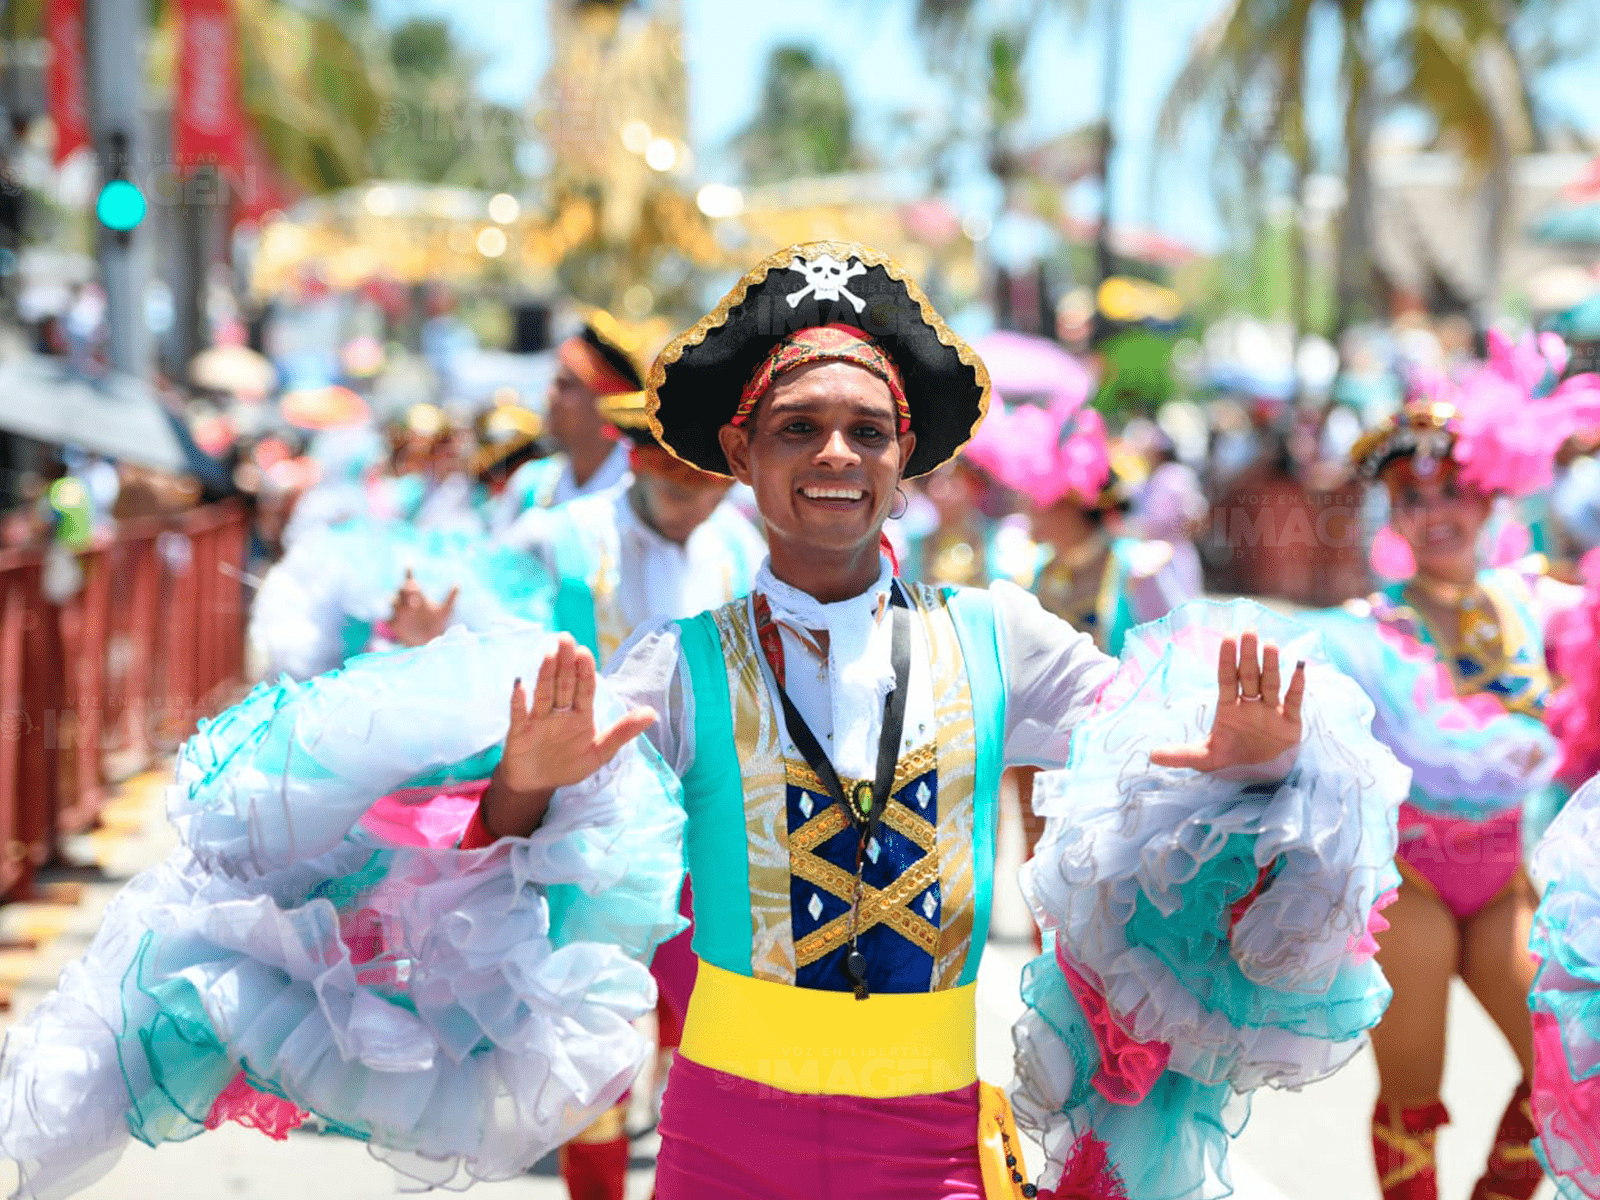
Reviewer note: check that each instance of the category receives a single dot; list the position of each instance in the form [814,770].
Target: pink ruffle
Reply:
[1564,1108]
[1128,1068]
[1089,1174]
[1365,945]
[1573,712]
[254,1109]
[424,817]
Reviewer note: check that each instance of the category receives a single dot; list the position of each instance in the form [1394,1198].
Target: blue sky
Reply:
[873,44]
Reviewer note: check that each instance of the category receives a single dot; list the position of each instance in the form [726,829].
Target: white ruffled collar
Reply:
[860,673]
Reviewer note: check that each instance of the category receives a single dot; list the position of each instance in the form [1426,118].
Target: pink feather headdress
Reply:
[1045,454]
[1501,423]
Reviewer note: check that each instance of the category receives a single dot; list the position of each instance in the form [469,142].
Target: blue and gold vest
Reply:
[772,856]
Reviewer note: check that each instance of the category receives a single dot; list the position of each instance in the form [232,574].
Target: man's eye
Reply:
[797,427]
[869,433]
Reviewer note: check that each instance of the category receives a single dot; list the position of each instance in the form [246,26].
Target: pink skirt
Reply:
[727,1138]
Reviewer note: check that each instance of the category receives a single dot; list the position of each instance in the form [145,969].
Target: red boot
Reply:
[596,1170]
[1402,1149]
[1513,1172]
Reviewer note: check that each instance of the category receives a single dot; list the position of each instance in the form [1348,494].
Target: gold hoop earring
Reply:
[905,503]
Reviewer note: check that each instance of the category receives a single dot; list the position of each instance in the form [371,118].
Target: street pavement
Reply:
[1310,1145]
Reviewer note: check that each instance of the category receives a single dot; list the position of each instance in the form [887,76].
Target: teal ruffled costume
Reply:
[464,1012]
[1204,937]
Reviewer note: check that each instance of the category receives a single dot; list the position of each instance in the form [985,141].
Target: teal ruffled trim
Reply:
[1171,1146]
[464,1011]
[1565,999]
[1220,919]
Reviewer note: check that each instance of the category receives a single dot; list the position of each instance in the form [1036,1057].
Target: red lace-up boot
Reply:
[1513,1172]
[1402,1150]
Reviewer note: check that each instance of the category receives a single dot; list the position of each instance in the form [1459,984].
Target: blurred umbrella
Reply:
[323,408]
[1580,323]
[1577,225]
[116,416]
[1032,369]
[233,369]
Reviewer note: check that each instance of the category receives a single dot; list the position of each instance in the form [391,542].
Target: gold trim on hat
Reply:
[1420,425]
[782,260]
[625,410]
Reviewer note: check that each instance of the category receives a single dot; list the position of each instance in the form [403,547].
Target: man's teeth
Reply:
[832,493]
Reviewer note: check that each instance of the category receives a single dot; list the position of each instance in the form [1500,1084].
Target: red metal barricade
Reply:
[94,689]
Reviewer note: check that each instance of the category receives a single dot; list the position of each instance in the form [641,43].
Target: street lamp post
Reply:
[114,33]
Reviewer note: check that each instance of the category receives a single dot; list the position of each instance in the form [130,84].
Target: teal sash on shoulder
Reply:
[713,795]
[972,613]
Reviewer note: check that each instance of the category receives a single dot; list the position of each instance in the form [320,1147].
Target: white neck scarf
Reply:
[860,673]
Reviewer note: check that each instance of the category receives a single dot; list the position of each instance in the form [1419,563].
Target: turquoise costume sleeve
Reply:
[1217,934]
[1566,998]
[463,1011]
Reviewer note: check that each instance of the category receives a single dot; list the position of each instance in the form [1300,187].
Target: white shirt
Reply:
[657,578]
[1052,672]
[611,471]
[508,508]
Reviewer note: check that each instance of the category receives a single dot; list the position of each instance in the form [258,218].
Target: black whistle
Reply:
[855,970]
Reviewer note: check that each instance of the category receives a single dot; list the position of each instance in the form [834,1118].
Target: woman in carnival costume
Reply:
[1455,661]
[1082,571]
[834,742]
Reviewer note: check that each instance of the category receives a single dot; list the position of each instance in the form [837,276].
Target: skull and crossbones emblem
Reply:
[827,279]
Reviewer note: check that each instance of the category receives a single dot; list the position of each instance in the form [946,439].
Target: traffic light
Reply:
[120,206]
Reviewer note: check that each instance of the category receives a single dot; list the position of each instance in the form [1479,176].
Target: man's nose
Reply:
[837,449]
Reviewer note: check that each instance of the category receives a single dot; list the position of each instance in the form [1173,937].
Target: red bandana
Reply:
[824,343]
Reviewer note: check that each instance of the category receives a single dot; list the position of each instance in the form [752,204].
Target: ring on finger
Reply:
[1251,699]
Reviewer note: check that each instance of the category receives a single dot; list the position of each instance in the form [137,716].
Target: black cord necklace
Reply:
[866,803]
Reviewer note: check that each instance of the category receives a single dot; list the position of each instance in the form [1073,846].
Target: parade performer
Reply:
[663,544]
[834,742]
[1104,584]
[373,585]
[1454,659]
[1566,998]
[840,736]
[593,363]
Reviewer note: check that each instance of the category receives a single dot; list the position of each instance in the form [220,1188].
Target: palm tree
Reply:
[1455,61]
[804,124]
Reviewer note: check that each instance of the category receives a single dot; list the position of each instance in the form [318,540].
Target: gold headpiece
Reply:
[1423,429]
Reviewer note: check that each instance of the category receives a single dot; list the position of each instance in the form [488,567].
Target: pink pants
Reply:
[727,1138]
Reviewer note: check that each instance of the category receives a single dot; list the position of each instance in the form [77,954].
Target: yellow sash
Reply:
[818,1043]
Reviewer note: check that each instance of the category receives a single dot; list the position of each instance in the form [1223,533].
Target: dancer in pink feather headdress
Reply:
[1454,657]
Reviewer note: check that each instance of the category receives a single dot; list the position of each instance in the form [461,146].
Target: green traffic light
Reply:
[120,206]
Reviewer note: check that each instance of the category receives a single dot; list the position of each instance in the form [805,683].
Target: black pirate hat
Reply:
[696,382]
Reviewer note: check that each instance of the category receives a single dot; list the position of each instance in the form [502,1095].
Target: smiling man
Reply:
[839,735]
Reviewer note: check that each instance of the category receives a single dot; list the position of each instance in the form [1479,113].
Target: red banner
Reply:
[209,124]
[258,188]
[68,96]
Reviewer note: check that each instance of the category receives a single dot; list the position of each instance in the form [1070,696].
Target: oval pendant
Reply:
[861,795]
